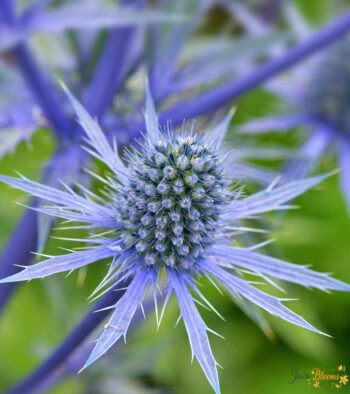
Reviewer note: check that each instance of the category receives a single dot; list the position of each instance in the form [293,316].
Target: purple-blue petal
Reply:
[267,265]
[123,313]
[68,262]
[196,329]
[265,301]
[271,199]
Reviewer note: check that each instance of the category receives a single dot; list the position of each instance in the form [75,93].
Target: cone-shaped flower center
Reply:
[327,93]
[171,206]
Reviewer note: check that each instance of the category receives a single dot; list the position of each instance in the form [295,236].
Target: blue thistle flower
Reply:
[319,95]
[170,209]
[325,93]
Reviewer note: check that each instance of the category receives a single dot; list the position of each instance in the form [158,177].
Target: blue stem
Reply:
[41,88]
[7,11]
[81,332]
[110,73]
[43,91]
[17,251]
[119,56]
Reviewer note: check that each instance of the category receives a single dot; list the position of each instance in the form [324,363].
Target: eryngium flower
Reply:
[171,208]
[326,92]
[319,96]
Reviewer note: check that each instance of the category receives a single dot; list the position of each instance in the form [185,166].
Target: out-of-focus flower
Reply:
[319,95]
[181,63]
[171,211]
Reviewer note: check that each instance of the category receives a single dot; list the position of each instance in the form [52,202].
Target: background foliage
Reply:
[42,312]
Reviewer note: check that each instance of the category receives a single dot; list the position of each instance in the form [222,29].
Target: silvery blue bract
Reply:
[170,207]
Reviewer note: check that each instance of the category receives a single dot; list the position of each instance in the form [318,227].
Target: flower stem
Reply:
[119,55]
[7,11]
[42,90]
[17,251]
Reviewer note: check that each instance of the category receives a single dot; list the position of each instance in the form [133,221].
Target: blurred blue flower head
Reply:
[172,208]
[326,92]
[318,98]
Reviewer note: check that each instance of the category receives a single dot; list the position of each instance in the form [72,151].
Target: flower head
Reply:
[326,92]
[319,97]
[170,208]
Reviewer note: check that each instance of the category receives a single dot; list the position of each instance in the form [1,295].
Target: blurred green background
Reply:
[42,312]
